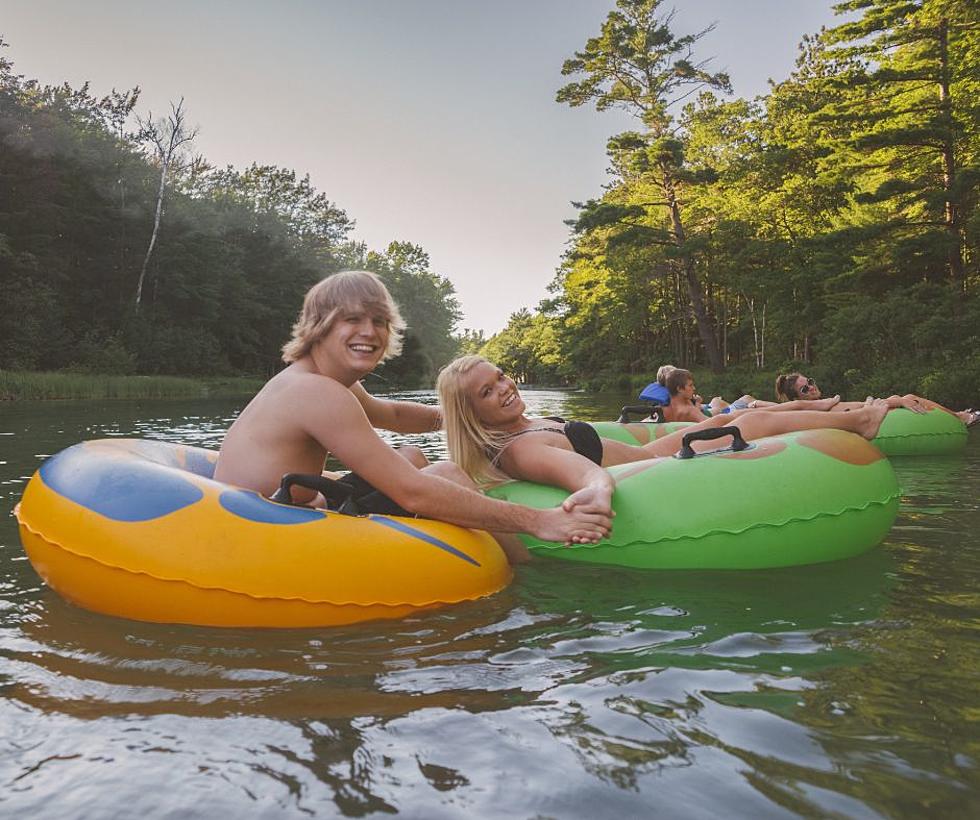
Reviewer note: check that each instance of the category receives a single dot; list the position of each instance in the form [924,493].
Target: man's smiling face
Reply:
[357,340]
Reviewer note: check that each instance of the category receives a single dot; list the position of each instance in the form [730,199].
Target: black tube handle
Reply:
[654,410]
[329,488]
[738,443]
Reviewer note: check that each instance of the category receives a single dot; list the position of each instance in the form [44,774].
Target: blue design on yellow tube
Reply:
[124,490]
[253,507]
[423,536]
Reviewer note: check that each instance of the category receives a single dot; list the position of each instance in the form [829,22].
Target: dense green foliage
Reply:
[236,250]
[831,225]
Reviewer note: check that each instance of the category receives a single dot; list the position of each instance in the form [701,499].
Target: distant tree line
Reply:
[123,252]
[830,225]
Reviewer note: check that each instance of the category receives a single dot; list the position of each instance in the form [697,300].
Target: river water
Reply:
[841,690]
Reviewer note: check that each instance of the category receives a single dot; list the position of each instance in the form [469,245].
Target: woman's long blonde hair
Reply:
[470,442]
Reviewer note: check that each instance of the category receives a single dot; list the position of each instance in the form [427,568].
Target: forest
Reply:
[123,251]
[831,225]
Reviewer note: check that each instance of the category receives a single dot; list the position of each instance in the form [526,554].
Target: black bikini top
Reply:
[582,436]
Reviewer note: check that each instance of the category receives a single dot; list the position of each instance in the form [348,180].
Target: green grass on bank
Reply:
[27,386]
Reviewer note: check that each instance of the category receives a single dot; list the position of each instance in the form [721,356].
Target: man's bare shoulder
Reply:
[294,395]
[301,381]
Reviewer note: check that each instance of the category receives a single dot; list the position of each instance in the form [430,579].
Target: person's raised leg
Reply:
[928,404]
[864,421]
[754,424]
[663,446]
[413,455]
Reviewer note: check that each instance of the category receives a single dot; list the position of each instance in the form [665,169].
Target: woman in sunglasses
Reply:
[686,405]
[795,387]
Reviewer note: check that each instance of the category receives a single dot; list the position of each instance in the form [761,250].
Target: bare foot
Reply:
[825,404]
[969,417]
[871,416]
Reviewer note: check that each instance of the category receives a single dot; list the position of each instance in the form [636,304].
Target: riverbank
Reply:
[955,387]
[731,384]
[29,386]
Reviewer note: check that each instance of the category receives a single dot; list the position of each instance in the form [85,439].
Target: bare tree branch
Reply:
[167,137]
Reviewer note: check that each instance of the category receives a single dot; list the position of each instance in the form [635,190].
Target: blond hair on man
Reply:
[330,298]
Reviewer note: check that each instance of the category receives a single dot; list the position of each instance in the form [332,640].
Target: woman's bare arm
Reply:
[548,459]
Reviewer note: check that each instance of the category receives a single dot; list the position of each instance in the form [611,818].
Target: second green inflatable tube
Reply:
[800,498]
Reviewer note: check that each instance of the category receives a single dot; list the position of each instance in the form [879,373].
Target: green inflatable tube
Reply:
[800,498]
[936,433]
[902,433]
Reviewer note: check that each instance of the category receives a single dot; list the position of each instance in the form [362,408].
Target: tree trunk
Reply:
[167,137]
[724,330]
[759,333]
[762,346]
[705,331]
[156,230]
[951,210]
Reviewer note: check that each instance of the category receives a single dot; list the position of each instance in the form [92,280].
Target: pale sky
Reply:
[429,121]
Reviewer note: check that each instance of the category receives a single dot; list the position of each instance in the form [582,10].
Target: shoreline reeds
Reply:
[34,386]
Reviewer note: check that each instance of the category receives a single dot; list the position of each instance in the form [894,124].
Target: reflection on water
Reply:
[845,689]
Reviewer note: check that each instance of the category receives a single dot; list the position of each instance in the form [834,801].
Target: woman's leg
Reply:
[864,421]
[829,403]
[929,404]
[413,455]
[717,404]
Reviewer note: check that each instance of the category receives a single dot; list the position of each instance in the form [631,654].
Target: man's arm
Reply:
[398,416]
[346,432]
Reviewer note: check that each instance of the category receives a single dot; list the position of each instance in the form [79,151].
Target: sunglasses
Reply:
[806,388]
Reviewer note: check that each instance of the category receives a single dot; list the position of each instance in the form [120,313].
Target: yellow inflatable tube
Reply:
[139,529]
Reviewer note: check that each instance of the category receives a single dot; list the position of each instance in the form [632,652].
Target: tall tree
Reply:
[910,99]
[167,137]
[638,64]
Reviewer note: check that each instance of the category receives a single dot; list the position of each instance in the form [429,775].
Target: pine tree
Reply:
[910,99]
[638,64]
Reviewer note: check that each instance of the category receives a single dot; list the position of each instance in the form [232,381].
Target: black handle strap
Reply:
[338,495]
[655,411]
[738,443]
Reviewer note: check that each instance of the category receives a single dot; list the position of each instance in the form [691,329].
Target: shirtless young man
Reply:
[317,405]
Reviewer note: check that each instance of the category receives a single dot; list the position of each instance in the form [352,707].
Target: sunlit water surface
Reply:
[847,689]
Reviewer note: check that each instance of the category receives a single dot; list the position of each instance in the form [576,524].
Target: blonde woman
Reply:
[492,439]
